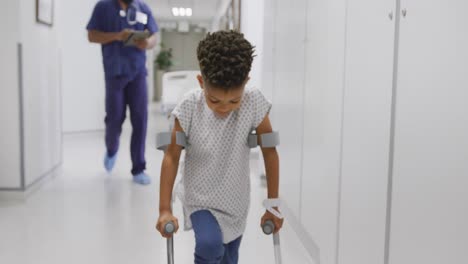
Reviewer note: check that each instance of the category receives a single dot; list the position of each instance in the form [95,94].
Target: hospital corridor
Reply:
[263,131]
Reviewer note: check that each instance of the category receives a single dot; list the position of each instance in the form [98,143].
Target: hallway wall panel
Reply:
[9,101]
[41,97]
[288,95]
[366,130]
[323,96]
[430,209]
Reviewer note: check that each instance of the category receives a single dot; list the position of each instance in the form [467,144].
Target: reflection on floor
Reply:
[83,215]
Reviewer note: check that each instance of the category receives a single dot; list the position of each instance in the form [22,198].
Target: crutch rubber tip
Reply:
[169,228]
[268,227]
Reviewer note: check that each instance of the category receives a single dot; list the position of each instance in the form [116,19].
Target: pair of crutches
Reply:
[164,139]
[268,227]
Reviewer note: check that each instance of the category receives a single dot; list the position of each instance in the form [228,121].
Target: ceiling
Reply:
[203,10]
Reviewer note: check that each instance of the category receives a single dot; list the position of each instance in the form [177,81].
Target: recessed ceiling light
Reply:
[188,11]
[182,11]
[175,11]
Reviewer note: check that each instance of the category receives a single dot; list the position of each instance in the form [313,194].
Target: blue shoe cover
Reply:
[109,162]
[142,178]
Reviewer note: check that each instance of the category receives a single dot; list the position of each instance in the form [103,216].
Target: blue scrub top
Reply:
[119,60]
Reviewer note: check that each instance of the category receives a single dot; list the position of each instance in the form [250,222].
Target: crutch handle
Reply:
[169,228]
[268,227]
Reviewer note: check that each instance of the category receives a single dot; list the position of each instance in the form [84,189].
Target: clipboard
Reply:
[135,36]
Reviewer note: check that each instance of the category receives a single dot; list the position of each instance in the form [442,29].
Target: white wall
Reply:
[42,124]
[303,67]
[9,101]
[323,106]
[252,27]
[82,69]
[288,95]
[282,80]
[268,48]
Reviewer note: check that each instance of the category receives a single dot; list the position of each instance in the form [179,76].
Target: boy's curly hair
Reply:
[225,58]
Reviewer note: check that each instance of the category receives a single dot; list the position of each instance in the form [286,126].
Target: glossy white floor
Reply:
[84,215]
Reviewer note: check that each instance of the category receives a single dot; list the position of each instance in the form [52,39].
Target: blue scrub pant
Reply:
[120,92]
[209,247]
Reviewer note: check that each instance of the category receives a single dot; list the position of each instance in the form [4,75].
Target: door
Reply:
[430,179]
[367,111]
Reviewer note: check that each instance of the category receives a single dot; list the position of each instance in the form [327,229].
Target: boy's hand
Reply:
[269,216]
[164,218]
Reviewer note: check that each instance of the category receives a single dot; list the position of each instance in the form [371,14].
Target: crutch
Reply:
[268,228]
[163,140]
[169,229]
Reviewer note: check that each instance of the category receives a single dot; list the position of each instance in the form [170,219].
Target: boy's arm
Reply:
[270,156]
[169,168]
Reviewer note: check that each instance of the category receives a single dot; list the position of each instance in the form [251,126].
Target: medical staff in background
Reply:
[112,24]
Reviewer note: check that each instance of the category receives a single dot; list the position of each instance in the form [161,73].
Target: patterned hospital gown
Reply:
[216,174]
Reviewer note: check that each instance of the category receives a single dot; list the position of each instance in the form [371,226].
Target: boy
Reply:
[217,119]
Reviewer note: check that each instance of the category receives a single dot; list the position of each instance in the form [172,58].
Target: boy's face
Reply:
[220,101]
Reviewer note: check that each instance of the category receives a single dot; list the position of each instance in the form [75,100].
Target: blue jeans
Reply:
[209,247]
